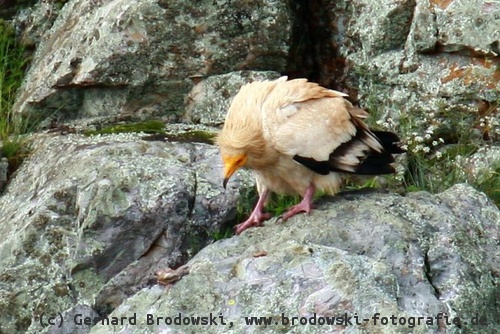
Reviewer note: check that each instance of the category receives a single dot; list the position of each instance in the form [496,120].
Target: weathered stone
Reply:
[485,158]
[33,22]
[361,253]
[137,58]
[467,26]
[417,57]
[88,218]
[209,100]
[438,84]
[376,27]
[72,317]
[4,169]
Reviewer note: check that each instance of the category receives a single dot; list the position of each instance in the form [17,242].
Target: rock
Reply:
[209,100]
[71,317]
[477,33]
[32,23]
[400,58]
[360,254]
[88,220]
[4,169]
[486,159]
[139,58]
[379,27]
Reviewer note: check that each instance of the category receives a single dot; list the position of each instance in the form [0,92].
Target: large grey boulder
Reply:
[88,220]
[359,253]
[137,58]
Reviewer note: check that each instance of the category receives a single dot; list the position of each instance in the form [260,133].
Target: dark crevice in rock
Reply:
[427,270]
[103,310]
[399,25]
[495,47]
[192,199]
[8,8]
[409,40]
[313,52]
[436,30]
[435,49]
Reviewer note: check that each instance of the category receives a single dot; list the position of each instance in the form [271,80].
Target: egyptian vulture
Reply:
[298,137]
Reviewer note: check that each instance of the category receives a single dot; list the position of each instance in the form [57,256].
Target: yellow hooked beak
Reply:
[231,165]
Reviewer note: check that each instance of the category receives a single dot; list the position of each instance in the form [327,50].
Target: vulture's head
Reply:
[233,159]
[240,147]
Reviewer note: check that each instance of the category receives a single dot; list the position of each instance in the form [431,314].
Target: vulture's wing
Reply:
[323,131]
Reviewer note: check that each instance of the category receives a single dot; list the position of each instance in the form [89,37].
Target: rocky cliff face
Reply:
[87,220]
[136,58]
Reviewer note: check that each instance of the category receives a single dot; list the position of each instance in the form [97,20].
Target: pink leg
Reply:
[304,206]
[257,216]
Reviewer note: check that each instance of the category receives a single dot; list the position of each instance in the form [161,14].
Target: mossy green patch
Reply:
[150,126]
[195,136]
[157,132]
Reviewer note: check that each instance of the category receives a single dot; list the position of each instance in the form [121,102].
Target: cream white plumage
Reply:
[296,137]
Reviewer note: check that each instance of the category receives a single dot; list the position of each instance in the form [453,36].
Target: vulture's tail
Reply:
[377,163]
[359,155]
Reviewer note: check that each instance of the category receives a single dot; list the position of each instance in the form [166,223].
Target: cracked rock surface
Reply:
[88,220]
[97,216]
[359,253]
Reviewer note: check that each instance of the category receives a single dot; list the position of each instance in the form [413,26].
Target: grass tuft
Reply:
[12,68]
[13,63]
[489,183]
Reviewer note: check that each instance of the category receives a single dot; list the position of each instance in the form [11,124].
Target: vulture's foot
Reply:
[304,206]
[301,207]
[255,219]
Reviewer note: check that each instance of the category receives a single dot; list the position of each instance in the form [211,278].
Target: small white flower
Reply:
[419,139]
[426,149]
[439,154]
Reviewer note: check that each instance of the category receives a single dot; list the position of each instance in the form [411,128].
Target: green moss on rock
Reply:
[150,126]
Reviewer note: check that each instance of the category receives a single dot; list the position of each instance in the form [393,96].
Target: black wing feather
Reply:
[371,163]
